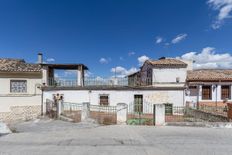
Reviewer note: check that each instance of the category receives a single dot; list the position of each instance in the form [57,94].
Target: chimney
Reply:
[40,58]
[161,58]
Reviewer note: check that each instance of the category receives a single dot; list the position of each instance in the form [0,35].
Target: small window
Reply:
[104,100]
[18,86]
[168,109]
[225,92]
[193,90]
[206,93]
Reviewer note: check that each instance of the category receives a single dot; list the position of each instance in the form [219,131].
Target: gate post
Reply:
[121,113]
[59,108]
[159,114]
[85,111]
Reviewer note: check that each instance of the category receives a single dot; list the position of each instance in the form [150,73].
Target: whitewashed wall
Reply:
[169,75]
[8,99]
[119,96]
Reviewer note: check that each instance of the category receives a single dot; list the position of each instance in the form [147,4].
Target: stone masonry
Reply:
[21,113]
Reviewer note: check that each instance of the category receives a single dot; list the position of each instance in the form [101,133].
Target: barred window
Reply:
[18,86]
[138,103]
[206,92]
[225,92]
[104,100]
[168,109]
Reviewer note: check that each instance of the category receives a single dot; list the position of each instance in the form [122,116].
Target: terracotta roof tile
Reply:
[209,75]
[18,65]
[167,62]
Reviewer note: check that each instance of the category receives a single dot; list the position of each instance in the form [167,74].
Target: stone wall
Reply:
[21,113]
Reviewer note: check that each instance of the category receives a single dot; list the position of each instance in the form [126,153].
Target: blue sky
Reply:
[104,34]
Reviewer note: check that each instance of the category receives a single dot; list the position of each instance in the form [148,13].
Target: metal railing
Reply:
[98,81]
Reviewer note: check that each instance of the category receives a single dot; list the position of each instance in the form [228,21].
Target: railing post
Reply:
[85,111]
[121,113]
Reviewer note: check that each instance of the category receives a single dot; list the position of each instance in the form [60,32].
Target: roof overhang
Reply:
[66,66]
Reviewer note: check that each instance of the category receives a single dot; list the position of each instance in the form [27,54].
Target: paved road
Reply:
[57,137]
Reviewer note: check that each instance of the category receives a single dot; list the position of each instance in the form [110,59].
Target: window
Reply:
[138,103]
[193,90]
[18,86]
[225,92]
[104,100]
[168,109]
[149,76]
[206,93]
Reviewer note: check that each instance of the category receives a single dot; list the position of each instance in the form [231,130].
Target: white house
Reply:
[26,88]
[20,93]
[209,87]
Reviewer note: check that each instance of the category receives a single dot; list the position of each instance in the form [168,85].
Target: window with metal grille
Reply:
[225,92]
[138,103]
[168,109]
[104,100]
[18,86]
[206,93]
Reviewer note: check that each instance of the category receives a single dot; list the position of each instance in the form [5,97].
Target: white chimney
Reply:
[40,58]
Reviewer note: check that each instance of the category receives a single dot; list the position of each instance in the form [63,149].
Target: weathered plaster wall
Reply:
[149,96]
[166,75]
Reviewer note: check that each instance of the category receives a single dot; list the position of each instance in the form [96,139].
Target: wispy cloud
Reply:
[50,60]
[122,72]
[209,59]
[158,40]
[104,60]
[131,53]
[224,7]
[179,38]
[142,59]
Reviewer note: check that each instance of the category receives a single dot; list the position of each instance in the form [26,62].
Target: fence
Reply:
[188,114]
[140,114]
[72,110]
[104,114]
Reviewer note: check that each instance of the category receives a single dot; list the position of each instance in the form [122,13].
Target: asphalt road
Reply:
[57,137]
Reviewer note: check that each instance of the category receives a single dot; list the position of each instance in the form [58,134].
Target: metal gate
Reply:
[72,110]
[51,109]
[104,114]
[140,114]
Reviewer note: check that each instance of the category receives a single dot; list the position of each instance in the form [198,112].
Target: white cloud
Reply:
[50,60]
[121,58]
[159,40]
[104,60]
[88,73]
[179,38]
[122,72]
[224,7]
[142,59]
[209,59]
[131,53]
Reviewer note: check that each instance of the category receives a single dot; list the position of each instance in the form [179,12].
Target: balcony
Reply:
[90,81]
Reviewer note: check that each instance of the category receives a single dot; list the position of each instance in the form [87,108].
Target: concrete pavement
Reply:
[57,137]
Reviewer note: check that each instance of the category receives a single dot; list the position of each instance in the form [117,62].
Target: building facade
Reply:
[209,87]
[20,93]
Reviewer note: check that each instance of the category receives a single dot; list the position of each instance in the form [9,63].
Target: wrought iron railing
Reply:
[98,81]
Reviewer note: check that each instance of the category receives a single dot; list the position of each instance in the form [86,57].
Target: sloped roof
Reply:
[209,75]
[17,65]
[167,62]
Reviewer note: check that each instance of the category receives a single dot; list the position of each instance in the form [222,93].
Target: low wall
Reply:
[21,113]
[210,117]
